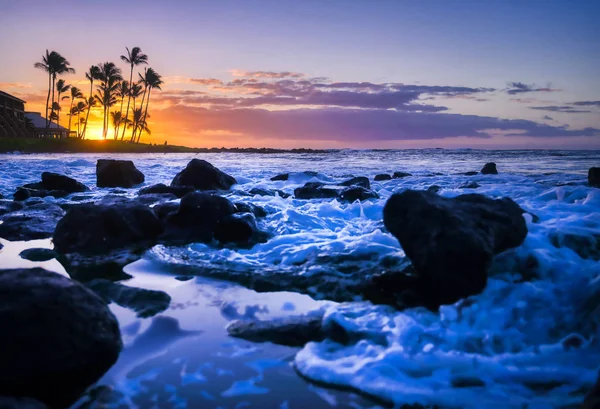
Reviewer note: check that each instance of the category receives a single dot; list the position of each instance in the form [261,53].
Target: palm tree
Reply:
[134,92]
[75,94]
[110,75]
[116,121]
[133,58]
[77,110]
[61,88]
[54,64]
[122,92]
[92,74]
[151,80]
[138,121]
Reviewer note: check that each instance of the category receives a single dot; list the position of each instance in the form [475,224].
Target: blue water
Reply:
[505,349]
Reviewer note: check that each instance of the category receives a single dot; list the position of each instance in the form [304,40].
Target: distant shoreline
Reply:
[72,145]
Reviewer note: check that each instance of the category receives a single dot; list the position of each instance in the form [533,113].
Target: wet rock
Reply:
[281,177]
[55,181]
[398,175]
[354,193]
[239,228]
[7,206]
[63,337]
[24,193]
[434,188]
[451,241]
[145,303]
[20,403]
[292,331]
[382,177]
[586,246]
[154,198]
[38,254]
[163,210]
[471,173]
[594,177]
[592,399]
[489,169]
[257,211]
[316,190]
[469,185]
[97,229]
[161,188]
[361,181]
[203,176]
[31,223]
[117,173]
[256,191]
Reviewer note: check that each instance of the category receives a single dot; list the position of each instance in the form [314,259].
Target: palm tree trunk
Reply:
[88,110]
[135,127]
[52,106]
[119,123]
[128,99]
[48,97]
[145,114]
[70,115]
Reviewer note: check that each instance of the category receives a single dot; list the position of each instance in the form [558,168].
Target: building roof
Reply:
[7,95]
[40,122]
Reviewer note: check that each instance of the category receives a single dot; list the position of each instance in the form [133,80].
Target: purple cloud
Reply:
[520,87]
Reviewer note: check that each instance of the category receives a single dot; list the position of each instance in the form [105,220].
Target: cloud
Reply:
[520,87]
[352,125]
[561,108]
[266,74]
[586,103]
[16,85]
[206,81]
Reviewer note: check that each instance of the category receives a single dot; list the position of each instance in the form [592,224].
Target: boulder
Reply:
[38,254]
[286,176]
[55,181]
[594,177]
[240,229]
[161,188]
[24,193]
[469,185]
[154,198]
[163,210]
[59,337]
[489,169]
[97,229]
[382,177]
[361,181]
[31,223]
[316,190]
[7,206]
[399,175]
[451,241]
[257,211]
[203,176]
[257,191]
[280,177]
[145,303]
[355,193]
[117,173]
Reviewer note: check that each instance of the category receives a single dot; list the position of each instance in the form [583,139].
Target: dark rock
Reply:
[63,337]
[316,190]
[381,177]
[257,211]
[20,403]
[184,278]
[256,191]
[292,331]
[451,241]
[203,176]
[163,210]
[361,181]
[398,175]
[145,303]
[97,229]
[161,188]
[281,177]
[197,218]
[239,228]
[434,188]
[469,185]
[354,193]
[31,223]
[587,247]
[38,254]
[7,206]
[470,173]
[489,169]
[24,193]
[153,198]
[592,399]
[594,177]
[55,181]
[117,173]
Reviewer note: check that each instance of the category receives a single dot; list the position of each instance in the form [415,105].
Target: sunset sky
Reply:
[332,74]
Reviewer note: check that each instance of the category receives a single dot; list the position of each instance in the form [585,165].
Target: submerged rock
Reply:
[586,246]
[59,337]
[434,188]
[31,223]
[470,173]
[257,211]
[292,331]
[38,254]
[451,241]
[24,193]
[145,303]
[117,173]
[594,177]
[7,206]
[317,190]
[354,193]
[280,177]
[55,181]
[361,181]
[161,188]
[203,176]
[489,169]
[398,175]
[469,185]
[382,177]
[268,192]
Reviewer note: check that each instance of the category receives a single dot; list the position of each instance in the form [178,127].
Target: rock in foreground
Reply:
[346,193]
[594,177]
[489,169]
[58,337]
[203,176]
[117,173]
[451,242]
[291,331]
[55,181]
[31,223]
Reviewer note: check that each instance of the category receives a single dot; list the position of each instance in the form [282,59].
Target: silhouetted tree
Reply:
[92,74]
[54,64]
[134,58]
[122,93]
[151,79]
[75,94]
[106,93]
[61,88]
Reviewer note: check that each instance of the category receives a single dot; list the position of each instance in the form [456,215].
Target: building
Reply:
[15,122]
